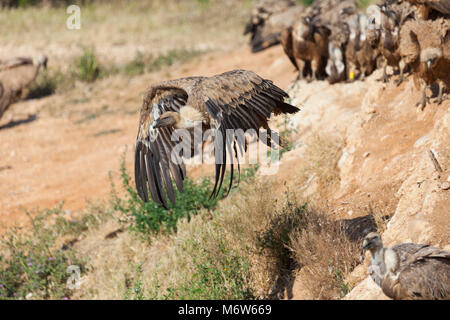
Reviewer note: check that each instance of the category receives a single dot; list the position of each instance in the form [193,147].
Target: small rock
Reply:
[445,185]
[370,110]
[366,154]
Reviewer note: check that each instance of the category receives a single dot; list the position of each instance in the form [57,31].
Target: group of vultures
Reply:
[334,40]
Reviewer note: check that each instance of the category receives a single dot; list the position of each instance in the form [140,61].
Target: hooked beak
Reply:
[164,122]
[366,245]
[429,62]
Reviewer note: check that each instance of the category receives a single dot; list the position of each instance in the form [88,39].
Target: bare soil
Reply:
[76,139]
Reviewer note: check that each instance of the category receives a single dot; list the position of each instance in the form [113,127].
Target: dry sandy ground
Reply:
[66,153]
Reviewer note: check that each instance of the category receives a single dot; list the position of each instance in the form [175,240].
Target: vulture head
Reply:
[430,57]
[385,258]
[304,29]
[347,11]
[41,61]
[372,242]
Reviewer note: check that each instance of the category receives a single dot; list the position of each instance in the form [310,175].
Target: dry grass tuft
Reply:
[238,216]
[325,255]
[321,158]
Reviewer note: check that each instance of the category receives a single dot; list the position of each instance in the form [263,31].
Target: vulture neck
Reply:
[377,256]
[189,118]
[388,261]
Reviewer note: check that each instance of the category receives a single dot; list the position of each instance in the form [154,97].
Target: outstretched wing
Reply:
[235,100]
[154,168]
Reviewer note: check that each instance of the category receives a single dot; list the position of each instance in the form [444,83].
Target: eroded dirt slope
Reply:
[385,165]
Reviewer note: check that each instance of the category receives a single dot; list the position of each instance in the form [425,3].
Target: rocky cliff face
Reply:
[385,165]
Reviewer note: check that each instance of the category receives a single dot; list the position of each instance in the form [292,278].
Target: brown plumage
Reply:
[426,7]
[409,271]
[269,18]
[385,34]
[332,11]
[385,40]
[353,44]
[310,45]
[425,48]
[287,42]
[15,76]
[337,58]
[366,56]
[237,99]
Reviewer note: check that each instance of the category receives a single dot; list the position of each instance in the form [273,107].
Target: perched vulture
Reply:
[385,38]
[15,76]
[409,271]
[269,18]
[310,45]
[337,57]
[332,11]
[383,32]
[425,47]
[234,100]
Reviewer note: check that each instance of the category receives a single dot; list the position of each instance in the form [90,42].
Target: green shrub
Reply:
[136,66]
[32,266]
[147,218]
[87,68]
[305,2]
[219,273]
[364,3]
[136,291]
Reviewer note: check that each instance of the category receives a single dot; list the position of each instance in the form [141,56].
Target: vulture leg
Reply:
[314,67]
[402,70]
[384,77]
[306,70]
[362,76]
[423,102]
[441,93]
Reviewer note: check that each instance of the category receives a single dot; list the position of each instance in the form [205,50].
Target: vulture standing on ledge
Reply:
[15,76]
[409,271]
[237,99]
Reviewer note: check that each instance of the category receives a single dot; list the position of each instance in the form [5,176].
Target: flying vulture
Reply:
[237,99]
[409,271]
